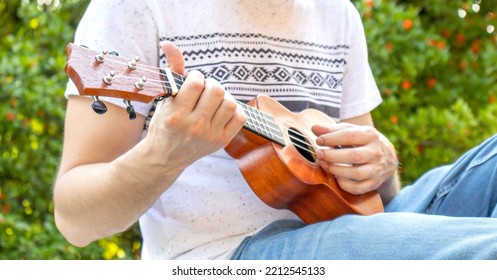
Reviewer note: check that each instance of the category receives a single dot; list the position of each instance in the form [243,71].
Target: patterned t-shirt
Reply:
[303,53]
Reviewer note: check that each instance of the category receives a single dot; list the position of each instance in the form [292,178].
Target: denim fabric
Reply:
[447,214]
[467,188]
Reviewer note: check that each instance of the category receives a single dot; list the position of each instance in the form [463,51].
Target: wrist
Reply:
[391,157]
[154,160]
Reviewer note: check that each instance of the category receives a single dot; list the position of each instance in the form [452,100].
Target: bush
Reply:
[434,64]
[32,104]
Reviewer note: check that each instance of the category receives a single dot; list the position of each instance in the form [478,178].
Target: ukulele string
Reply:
[297,141]
[158,83]
[150,69]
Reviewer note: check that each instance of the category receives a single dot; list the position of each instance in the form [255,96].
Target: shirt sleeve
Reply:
[129,29]
[360,92]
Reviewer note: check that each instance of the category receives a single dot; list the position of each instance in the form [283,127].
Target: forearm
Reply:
[97,200]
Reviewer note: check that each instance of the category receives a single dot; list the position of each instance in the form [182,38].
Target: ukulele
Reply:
[275,150]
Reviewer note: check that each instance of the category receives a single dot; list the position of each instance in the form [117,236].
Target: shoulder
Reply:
[339,12]
[124,26]
[115,13]
[117,5]
[336,5]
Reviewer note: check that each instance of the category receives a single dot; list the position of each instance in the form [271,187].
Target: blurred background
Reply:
[435,63]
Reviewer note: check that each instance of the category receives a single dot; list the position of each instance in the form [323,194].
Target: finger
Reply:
[226,110]
[356,187]
[354,173]
[323,131]
[235,124]
[356,179]
[191,92]
[210,100]
[347,135]
[319,130]
[174,57]
[350,156]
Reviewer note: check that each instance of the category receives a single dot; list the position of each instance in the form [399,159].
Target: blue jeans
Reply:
[447,214]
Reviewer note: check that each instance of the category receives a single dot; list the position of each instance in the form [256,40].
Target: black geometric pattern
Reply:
[265,74]
[255,36]
[297,73]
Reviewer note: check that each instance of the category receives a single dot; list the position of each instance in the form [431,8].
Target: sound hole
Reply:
[302,145]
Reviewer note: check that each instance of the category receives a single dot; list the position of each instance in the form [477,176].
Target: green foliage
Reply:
[437,74]
[32,58]
[436,71]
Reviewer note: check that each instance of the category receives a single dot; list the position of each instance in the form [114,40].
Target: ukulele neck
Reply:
[262,124]
[256,121]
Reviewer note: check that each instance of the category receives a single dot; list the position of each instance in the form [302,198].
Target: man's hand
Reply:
[360,157]
[201,119]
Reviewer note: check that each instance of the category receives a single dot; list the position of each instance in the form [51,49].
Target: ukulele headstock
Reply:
[106,74]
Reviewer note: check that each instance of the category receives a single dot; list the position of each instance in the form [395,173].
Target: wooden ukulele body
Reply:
[289,177]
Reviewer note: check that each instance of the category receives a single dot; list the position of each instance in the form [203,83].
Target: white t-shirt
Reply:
[303,53]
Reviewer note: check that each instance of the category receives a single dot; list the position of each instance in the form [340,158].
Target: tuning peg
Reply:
[130,109]
[132,64]
[139,85]
[108,78]
[101,56]
[98,106]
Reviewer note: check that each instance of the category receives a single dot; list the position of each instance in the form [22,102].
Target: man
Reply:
[189,195]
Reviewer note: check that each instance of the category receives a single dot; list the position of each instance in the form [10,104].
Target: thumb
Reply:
[174,57]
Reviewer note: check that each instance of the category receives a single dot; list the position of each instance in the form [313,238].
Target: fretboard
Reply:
[262,124]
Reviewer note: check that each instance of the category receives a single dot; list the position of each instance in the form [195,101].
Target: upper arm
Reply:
[365,119]
[92,138]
